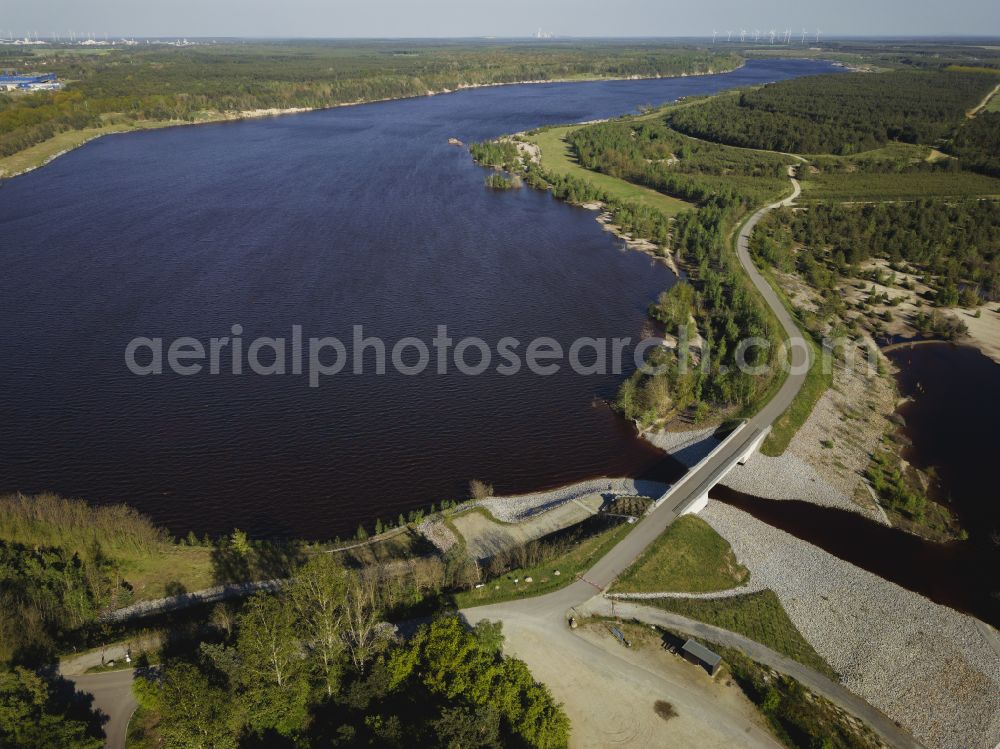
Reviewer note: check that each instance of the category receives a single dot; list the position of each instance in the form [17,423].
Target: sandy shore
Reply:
[215,116]
[984,331]
[606,220]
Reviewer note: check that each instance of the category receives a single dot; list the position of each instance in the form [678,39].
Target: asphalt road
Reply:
[546,615]
[112,691]
[550,612]
[708,472]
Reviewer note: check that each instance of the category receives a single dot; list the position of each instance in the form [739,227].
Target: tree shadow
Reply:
[264,561]
[174,588]
[66,699]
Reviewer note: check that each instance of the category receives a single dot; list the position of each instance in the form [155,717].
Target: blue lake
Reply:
[357,215]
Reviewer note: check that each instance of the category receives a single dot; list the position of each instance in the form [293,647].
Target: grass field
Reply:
[688,557]
[785,426]
[544,580]
[146,558]
[556,158]
[759,616]
[862,187]
[889,152]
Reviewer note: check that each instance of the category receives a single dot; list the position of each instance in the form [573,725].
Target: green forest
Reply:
[956,243]
[650,153]
[317,666]
[167,83]
[977,143]
[840,114]
[726,183]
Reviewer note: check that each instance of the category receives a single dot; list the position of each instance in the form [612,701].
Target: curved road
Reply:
[523,618]
[813,680]
[112,692]
[542,620]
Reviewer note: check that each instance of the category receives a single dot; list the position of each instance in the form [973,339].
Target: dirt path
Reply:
[982,105]
[811,679]
[610,692]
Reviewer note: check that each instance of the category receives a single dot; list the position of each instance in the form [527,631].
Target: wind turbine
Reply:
[803,36]
[743,35]
[714,34]
[818,32]
[788,35]
[729,36]
[756,35]
[771,32]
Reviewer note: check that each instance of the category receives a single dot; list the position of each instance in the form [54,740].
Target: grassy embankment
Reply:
[688,557]
[143,554]
[759,616]
[572,563]
[691,557]
[42,153]
[557,159]
[796,716]
[816,382]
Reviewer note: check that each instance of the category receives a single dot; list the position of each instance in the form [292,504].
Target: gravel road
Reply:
[815,681]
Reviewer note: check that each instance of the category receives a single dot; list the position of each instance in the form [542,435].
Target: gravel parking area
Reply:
[924,665]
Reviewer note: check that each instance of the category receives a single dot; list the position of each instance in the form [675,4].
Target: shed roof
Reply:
[702,653]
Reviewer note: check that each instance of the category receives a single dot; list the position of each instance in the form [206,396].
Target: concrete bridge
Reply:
[690,493]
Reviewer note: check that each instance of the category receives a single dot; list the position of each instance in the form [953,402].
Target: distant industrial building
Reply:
[13,81]
[699,655]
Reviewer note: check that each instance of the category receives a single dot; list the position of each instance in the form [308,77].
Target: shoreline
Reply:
[251,114]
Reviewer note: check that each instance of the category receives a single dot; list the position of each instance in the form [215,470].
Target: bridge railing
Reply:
[748,440]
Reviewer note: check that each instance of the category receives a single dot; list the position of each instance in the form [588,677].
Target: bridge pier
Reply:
[753,447]
[698,500]
[699,504]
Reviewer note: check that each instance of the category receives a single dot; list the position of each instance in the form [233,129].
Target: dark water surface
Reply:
[951,421]
[359,215]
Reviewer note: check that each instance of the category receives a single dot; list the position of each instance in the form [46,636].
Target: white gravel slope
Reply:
[786,477]
[924,665]
[517,508]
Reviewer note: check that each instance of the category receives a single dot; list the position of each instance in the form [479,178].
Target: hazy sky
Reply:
[445,18]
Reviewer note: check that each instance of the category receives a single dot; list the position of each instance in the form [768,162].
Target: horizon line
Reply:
[826,36]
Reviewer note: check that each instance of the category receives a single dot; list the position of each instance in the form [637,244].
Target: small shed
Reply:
[699,655]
